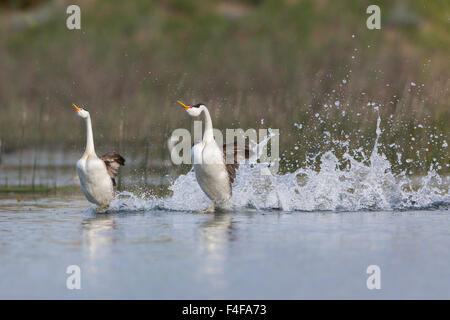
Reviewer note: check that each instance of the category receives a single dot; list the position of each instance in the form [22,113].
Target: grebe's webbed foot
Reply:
[209,209]
[102,207]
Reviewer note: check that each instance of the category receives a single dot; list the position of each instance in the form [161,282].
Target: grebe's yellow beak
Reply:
[183,105]
[78,109]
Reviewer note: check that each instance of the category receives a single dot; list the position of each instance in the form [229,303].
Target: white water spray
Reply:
[369,184]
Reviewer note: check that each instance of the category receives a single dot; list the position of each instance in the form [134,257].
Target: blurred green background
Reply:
[254,63]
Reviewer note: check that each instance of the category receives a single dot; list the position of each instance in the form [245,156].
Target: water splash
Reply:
[367,184]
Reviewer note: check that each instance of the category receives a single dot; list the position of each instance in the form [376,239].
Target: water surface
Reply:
[247,254]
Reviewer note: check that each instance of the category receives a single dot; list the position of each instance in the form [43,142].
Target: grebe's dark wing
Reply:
[232,156]
[113,161]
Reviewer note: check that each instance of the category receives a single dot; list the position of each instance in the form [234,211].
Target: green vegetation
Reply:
[36,189]
[281,61]
[20,4]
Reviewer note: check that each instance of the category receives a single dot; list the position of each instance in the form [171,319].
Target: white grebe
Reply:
[213,174]
[97,174]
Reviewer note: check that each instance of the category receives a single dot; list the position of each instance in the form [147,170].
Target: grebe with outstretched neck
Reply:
[97,174]
[214,175]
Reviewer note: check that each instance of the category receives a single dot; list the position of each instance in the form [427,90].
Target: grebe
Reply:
[97,175]
[214,175]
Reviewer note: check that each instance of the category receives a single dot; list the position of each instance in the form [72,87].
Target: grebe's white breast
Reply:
[95,181]
[210,170]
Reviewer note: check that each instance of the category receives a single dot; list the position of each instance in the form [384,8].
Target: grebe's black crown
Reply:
[198,105]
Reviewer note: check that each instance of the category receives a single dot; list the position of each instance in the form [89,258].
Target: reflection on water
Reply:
[162,254]
[215,235]
[98,235]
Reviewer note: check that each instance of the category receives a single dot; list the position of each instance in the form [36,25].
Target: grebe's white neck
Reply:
[90,150]
[208,134]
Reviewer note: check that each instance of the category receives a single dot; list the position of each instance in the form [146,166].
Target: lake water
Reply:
[248,254]
[304,234]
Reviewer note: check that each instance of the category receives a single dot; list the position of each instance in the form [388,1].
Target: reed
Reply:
[37,146]
[21,143]
[145,162]
[1,152]
[120,150]
[276,60]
